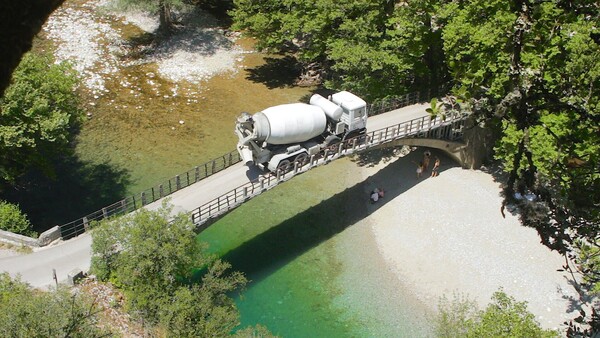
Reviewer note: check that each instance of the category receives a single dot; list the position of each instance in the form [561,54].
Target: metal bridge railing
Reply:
[166,188]
[450,129]
[391,103]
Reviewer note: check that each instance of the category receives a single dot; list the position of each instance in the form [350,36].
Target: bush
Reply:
[167,276]
[14,220]
[39,114]
[25,312]
[503,317]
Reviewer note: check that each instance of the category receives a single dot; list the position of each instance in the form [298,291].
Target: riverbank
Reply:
[444,235]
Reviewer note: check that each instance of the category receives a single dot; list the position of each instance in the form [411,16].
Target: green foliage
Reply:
[456,317]
[204,309]
[150,5]
[163,8]
[13,220]
[503,317]
[38,113]
[533,66]
[148,256]
[589,259]
[374,48]
[153,260]
[28,313]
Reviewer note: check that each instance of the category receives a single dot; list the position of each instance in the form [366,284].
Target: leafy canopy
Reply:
[38,114]
[374,48]
[14,220]
[532,68]
[154,257]
[503,317]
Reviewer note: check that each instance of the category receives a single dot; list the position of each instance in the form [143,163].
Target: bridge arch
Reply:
[470,152]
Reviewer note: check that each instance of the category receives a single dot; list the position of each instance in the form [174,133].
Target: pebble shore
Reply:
[89,36]
[445,235]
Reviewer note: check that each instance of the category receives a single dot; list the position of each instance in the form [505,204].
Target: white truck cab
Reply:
[354,110]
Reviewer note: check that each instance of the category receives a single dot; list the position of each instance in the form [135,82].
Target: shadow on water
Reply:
[276,72]
[281,244]
[77,189]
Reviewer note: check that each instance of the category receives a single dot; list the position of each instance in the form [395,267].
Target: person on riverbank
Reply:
[419,168]
[426,157]
[436,167]
[376,194]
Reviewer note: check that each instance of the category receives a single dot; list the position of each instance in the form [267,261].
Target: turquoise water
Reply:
[287,242]
[280,241]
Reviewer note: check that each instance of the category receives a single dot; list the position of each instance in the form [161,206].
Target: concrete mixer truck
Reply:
[277,137]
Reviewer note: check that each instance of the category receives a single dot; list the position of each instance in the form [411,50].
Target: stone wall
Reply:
[45,238]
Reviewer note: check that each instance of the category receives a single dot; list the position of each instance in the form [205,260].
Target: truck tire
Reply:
[301,159]
[284,166]
[332,140]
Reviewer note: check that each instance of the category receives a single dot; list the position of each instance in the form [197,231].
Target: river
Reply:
[311,272]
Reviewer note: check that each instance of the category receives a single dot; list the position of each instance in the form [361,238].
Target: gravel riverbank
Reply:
[445,235]
[89,34]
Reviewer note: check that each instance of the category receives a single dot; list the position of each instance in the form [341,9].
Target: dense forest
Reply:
[526,69]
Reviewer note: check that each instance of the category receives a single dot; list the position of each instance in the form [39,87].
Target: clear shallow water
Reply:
[281,241]
[155,128]
[296,245]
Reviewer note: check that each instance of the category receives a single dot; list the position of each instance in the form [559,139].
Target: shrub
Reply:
[14,220]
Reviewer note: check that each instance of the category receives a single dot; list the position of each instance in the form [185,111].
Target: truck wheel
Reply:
[301,159]
[332,142]
[284,166]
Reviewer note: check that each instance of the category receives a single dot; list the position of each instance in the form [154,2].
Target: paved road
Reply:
[36,268]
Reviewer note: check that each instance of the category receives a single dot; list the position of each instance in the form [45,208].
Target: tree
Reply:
[455,317]
[373,47]
[13,220]
[28,313]
[154,261]
[204,309]
[528,67]
[19,23]
[164,8]
[38,114]
[503,317]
